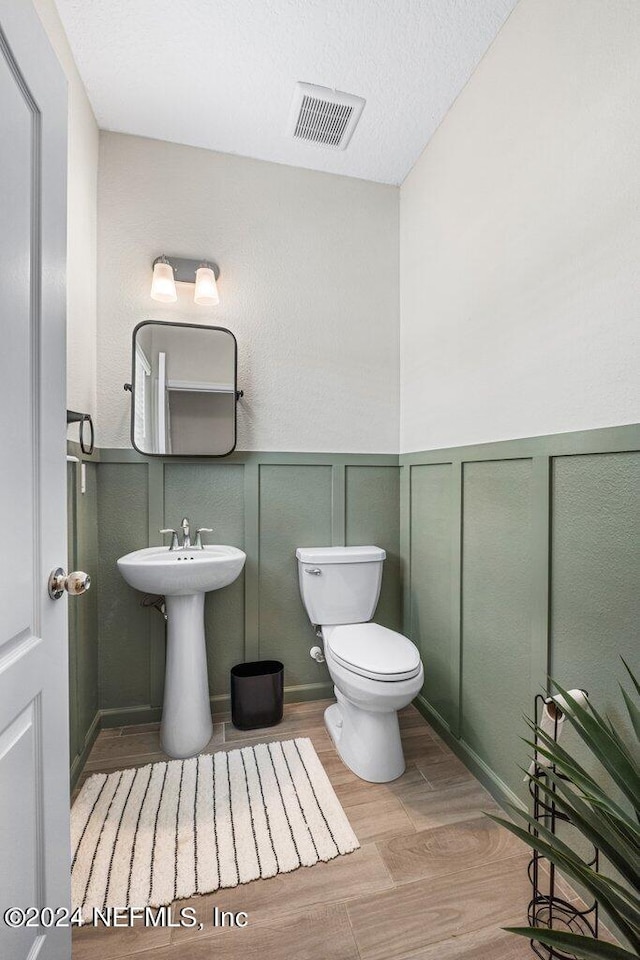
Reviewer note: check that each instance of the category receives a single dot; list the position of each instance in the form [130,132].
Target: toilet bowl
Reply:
[375,671]
[363,724]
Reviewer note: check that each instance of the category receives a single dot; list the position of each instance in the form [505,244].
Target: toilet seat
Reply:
[373,651]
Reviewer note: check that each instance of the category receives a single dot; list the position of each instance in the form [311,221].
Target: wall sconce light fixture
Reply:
[163,286]
[167,271]
[206,292]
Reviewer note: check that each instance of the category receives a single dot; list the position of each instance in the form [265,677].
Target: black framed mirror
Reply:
[183,390]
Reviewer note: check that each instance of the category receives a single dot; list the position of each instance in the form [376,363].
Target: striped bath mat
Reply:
[151,835]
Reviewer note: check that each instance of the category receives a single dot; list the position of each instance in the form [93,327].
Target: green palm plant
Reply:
[610,825]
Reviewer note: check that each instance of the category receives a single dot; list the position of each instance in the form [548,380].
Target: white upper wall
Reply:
[81,226]
[309,286]
[520,237]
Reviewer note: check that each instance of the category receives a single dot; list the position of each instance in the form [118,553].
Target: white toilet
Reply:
[375,671]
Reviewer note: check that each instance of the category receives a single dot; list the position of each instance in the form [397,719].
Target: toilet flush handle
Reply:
[313,571]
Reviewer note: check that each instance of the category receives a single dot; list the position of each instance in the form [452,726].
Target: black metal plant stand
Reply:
[547,909]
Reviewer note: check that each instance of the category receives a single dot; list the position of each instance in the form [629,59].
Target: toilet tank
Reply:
[340,584]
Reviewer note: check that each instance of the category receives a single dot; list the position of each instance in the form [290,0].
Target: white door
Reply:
[34,794]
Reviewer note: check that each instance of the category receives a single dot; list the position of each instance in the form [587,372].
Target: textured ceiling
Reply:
[220,73]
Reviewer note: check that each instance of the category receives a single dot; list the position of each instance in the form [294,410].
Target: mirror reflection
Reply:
[184,390]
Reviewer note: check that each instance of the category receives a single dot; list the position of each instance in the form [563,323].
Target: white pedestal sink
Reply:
[183,577]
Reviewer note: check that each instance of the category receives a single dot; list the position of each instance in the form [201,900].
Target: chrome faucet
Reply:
[186,533]
[186,536]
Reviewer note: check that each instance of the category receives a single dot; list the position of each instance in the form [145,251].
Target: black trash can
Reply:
[257,694]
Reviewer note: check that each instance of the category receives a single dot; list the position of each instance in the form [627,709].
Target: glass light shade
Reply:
[206,292]
[163,285]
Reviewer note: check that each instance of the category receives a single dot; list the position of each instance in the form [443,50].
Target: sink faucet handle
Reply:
[198,543]
[175,545]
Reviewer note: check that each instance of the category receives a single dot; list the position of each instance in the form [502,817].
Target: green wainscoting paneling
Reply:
[431,617]
[82,534]
[372,496]
[496,611]
[595,595]
[520,558]
[295,511]
[123,494]
[595,563]
[267,504]
[505,561]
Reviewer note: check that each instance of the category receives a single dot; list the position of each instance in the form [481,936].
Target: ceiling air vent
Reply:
[324,116]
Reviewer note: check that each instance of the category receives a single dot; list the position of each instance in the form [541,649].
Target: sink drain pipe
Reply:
[156,601]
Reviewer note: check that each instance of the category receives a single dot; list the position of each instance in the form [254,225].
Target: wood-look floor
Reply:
[434,879]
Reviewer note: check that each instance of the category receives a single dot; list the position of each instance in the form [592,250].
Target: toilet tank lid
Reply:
[320,555]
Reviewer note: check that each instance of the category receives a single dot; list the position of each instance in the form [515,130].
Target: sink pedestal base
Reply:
[186,726]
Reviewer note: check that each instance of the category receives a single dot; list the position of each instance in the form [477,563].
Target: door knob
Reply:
[74,583]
